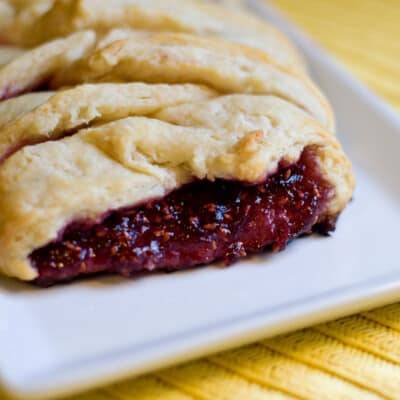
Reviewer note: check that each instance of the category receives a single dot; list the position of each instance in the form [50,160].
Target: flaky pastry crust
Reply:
[9,53]
[177,58]
[139,100]
[63,17]
[33,68]
[131,160]
[44,116]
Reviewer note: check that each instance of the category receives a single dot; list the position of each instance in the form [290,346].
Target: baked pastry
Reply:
[9,53]
[128,151]
[37,21]
[161,58]
[33,68]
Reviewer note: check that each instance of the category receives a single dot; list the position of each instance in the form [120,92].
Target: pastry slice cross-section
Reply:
[194,183]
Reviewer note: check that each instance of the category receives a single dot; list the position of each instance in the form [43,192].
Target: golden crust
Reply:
[6,14]
[136,112]
[36,66]
[47,116]
[12,110]
[18,16]
[44,187]
[190,16]
[9,53]
[177,58]
[286,129]
[235,4]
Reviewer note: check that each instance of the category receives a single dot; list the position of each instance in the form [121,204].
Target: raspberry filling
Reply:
[197,224]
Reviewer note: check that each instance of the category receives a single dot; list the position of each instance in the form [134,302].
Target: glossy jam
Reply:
[196,224]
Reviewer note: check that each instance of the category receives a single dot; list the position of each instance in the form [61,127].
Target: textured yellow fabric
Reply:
[364,34]
[356,357]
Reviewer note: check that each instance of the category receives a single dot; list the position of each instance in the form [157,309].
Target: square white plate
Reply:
[68,338]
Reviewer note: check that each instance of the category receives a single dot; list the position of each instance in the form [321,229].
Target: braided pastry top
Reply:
[139,97]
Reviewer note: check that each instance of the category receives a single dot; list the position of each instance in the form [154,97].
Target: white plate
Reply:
[68,338]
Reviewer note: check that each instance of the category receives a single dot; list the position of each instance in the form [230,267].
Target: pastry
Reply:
[6,14]
[161,58]
[127,150]
[37,117]
[33,68]
[240,4]
[38,22]
[9,53]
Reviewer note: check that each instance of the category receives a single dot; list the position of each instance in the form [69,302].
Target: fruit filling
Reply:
[196,224]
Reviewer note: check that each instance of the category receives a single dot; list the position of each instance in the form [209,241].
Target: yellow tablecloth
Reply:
[352,358]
